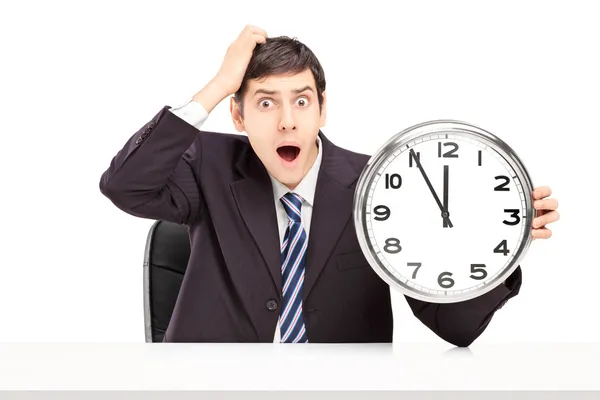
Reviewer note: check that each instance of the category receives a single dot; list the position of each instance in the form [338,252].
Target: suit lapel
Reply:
[254,198]
[332,210]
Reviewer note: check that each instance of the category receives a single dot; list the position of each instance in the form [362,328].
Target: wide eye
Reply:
[302,101]
[265,103]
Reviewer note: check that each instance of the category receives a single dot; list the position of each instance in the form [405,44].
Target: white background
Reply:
[79,78]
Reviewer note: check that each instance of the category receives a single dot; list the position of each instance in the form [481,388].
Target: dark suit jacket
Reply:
[216,185]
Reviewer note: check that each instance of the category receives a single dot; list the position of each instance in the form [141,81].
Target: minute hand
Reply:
[435,196]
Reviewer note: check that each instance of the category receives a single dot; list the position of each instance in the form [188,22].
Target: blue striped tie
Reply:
[293,255]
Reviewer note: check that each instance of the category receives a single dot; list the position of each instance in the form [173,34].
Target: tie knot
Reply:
[292,203]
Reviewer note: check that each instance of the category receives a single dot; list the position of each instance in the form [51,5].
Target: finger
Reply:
[546,204]
[259,38]
[256,30]
[546,219]
[544,233]
[541,192]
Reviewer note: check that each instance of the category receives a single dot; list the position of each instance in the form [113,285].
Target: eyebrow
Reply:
[271,92]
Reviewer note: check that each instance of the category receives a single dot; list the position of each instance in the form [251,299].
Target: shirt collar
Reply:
[307,186]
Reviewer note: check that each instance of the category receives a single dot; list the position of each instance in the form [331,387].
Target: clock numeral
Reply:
[392,246]
[414,264]
[445,281]
[513,213]
[478,268]
[393,181]
[502,187]
[410,159]
[382,212]
[502,248]
[479,158]
[449,153]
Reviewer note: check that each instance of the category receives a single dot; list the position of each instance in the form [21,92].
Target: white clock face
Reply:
[445,255]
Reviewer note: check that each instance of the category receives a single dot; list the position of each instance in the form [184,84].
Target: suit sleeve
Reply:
[461,323]
[154,175]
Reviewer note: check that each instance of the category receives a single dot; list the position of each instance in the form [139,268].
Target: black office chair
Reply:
[165,262]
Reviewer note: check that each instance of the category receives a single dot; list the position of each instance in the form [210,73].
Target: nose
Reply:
[287,122]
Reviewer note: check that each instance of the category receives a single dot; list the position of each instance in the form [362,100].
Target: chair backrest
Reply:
[165,262]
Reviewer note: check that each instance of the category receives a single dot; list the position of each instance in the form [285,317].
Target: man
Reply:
[274,253]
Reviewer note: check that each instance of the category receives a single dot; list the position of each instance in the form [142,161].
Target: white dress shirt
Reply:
[194,114]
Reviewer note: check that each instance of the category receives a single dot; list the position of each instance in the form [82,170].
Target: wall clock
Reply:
[443,211]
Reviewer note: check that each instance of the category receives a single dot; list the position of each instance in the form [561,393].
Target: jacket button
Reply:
[149,128]
[139,140]
[271,305]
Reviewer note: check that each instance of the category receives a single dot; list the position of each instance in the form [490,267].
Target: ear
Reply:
[236,117]
[323,116]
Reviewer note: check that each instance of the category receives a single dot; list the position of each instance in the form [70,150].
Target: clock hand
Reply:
[446,213]
[435,196]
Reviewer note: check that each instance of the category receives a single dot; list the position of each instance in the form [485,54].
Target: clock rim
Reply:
[400,139]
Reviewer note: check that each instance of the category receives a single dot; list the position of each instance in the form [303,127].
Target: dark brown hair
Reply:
[281,55]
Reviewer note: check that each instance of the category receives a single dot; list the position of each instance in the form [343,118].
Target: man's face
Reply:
[282,120]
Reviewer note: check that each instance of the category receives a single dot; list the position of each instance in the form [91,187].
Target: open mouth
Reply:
[288,153]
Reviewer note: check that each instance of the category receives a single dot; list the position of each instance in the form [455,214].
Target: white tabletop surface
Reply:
[211,366]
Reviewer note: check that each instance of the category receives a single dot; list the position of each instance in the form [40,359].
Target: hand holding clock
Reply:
[500,201]
[546,212]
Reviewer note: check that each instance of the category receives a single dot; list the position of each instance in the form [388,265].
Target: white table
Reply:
[287,367]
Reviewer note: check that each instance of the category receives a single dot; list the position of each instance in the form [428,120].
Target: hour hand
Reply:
[445,211]
[435,196]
